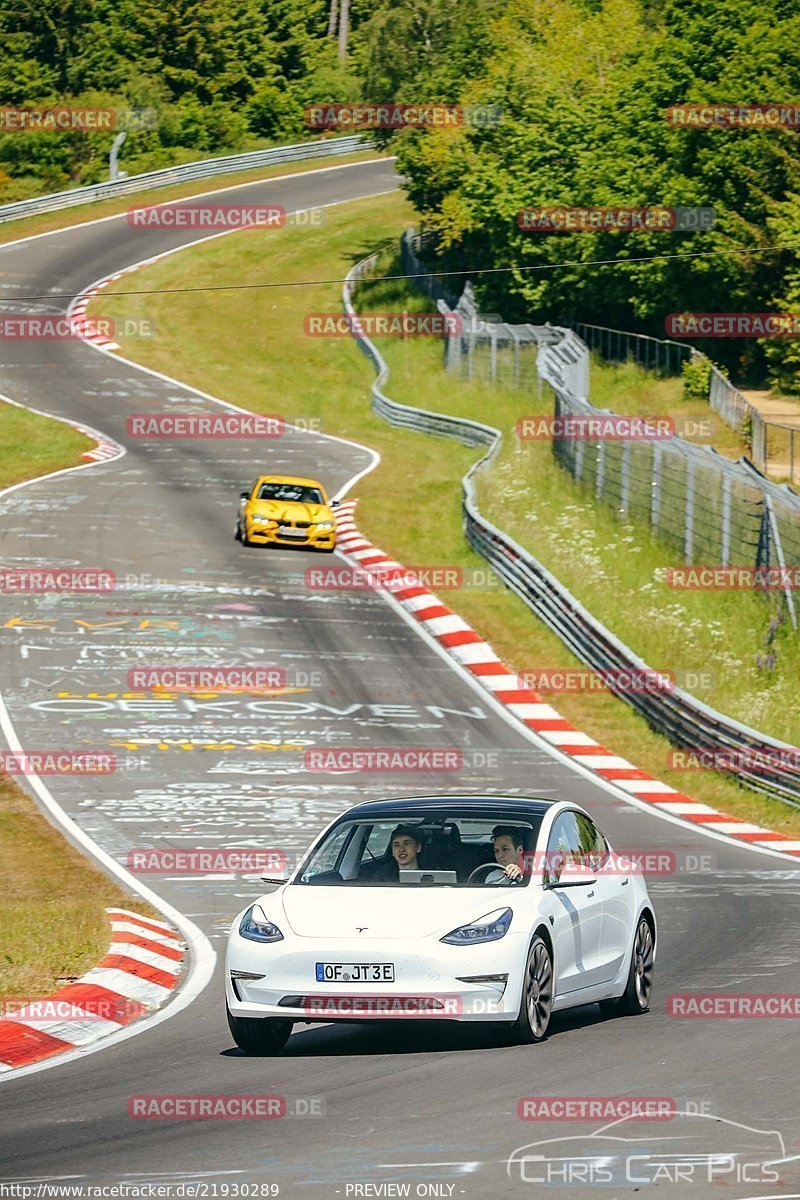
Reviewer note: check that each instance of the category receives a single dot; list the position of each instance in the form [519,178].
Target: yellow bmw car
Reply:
[287,510]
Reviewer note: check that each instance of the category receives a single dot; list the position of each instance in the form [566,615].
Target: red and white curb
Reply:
[478,658]
[86,329]
[136,976]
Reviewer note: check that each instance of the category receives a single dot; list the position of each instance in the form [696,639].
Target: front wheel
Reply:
[636,997]
[536,1005]
[259,1035]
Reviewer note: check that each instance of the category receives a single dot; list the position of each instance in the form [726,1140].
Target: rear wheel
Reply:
[259,1035]
[636,997]
[536,1004]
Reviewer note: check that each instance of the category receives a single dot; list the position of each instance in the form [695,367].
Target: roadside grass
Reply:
[255,354]
[33,445]
[631,390]
[52,935]
[24,227]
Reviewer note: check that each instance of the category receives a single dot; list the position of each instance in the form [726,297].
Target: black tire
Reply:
[237,533]
[639,987]
[259,1035]
[536,1003]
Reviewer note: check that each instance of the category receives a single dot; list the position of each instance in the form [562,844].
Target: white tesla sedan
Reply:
[460,908]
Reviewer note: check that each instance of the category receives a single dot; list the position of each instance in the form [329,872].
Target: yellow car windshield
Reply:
[290,492]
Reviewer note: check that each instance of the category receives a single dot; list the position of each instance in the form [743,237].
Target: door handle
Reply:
[590,894]
[625,883]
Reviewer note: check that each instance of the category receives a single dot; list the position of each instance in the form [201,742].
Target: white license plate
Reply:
[298,533]
[355,972]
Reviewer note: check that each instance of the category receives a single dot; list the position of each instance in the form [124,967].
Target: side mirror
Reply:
[335,503]
[244,495]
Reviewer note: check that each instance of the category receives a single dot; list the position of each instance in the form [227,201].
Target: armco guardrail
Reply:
[203,169]
[685,720]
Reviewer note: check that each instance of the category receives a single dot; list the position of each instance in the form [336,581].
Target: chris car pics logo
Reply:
[691,1147]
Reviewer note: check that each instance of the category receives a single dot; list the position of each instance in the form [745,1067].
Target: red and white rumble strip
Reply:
[136,976]
[477,656]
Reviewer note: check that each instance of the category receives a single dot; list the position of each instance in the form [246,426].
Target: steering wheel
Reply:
[492,866]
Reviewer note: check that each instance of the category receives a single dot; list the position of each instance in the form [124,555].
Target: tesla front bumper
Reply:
[431,979]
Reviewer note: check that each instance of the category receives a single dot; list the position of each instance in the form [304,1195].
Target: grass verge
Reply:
[327,379]
[32,445]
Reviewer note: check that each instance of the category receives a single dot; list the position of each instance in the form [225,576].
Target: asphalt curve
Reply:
[434,1110]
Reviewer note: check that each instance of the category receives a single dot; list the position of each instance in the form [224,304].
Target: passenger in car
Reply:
[405,846]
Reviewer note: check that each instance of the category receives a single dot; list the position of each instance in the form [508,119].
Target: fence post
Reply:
[601,469]
[626,476]
[578,459]
[726,520]
[655,499]
[776,537]
[688,540]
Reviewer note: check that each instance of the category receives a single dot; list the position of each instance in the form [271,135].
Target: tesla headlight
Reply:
[485,929]
[256,928]
[324,524]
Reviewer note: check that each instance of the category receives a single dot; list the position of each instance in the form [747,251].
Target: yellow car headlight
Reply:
[324,525]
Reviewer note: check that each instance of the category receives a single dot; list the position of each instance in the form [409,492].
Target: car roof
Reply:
[289,479]
[522,806]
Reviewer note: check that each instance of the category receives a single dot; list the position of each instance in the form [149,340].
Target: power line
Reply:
[469,272]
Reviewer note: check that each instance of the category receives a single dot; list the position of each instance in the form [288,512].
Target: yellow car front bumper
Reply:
[314,539]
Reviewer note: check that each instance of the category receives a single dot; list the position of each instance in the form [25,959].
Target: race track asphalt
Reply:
[434,1109]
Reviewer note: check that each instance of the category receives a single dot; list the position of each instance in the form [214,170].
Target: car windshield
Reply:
[448,848]
[290,492]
